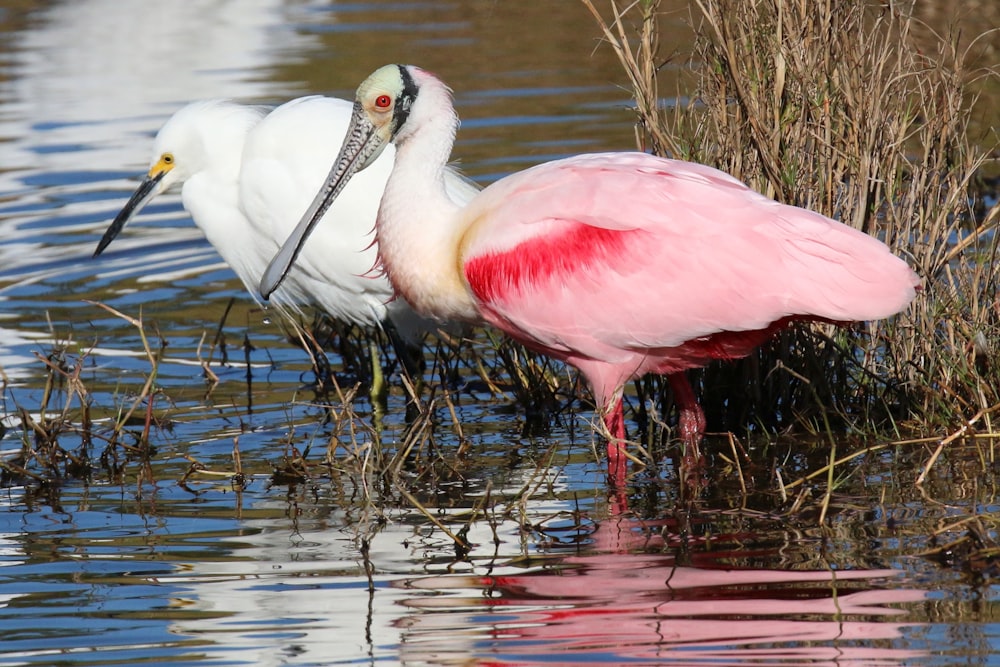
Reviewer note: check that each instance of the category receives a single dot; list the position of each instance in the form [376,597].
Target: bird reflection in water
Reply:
[625,599]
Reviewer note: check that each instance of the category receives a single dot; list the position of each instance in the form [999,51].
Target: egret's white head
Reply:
[203,135]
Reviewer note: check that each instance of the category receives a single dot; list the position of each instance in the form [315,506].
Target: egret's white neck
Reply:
[419,225]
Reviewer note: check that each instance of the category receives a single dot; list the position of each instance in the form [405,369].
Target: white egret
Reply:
[246,177]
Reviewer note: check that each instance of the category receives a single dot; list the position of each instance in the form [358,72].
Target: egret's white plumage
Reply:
[247,176]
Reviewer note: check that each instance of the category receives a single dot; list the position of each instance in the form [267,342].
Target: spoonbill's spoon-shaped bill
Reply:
[619,264]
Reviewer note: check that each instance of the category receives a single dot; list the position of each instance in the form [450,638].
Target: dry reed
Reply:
[836,107]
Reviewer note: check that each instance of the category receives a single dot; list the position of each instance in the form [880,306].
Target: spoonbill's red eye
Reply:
[383,102]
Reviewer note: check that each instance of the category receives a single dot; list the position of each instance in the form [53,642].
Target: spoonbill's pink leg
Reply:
[690,416]
[691,424]
[614,420]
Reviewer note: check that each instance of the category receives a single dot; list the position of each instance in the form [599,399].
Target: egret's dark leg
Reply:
[411,357]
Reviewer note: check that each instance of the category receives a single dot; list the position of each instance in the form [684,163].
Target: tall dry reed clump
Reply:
[833,106]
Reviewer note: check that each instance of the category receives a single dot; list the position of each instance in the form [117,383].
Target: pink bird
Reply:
[619,264]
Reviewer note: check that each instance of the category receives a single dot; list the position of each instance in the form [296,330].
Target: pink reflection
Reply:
[612,607]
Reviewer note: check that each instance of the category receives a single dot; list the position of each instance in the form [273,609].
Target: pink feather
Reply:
[679,263]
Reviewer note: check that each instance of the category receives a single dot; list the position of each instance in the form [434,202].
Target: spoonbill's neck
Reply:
[419,225]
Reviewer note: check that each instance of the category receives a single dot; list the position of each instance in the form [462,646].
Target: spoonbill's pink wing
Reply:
[607,255]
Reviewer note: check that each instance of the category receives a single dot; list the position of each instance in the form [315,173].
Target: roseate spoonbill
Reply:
[619,264]
[246,176]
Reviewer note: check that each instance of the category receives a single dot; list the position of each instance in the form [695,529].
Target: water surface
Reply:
[181,561]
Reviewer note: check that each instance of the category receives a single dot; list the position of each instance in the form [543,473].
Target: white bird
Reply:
[246,177]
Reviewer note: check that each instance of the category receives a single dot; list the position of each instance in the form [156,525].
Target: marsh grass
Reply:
[62,440]
[42,459]
[838,108]
[379,477]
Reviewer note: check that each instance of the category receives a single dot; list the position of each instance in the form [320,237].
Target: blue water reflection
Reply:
[274,590]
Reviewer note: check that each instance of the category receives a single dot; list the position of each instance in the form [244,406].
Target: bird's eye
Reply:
[167,158]
[383,102]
